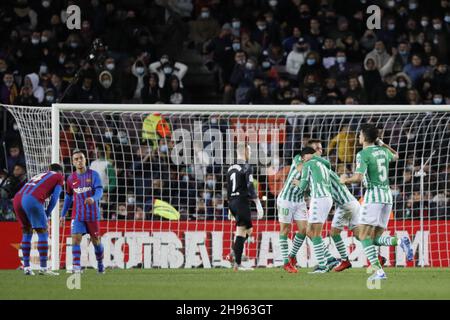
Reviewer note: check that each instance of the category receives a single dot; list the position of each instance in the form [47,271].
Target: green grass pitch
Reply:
[220,284]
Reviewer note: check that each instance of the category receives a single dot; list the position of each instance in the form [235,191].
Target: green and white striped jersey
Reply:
[316,175]
[339,192]
[289,191]
[373,163]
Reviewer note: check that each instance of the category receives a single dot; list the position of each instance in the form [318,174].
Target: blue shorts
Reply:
[34,211]
[83,227]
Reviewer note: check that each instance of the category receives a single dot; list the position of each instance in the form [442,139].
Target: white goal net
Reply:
[163,169]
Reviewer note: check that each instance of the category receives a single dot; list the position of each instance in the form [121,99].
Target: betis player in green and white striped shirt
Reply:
[292,208]
[316,176]
[372,165]
[345,215]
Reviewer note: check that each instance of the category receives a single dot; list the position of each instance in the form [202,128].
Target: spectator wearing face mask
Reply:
[165,69]
[49,97]
[403,83]
[8,89]
[296,58]
[440,38]
[438,99]
[313,66]
[341,69]
[139,71]
[260,33]
[107,91]
[204,28]
[402,58]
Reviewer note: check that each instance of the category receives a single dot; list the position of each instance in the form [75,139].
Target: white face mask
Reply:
[312,99]
[249,65]
[437,100]
[46,4]
[273,3]
[110,66]
[49,98]
[108,134]
[163,148]
[34,41]
[186,178]
[44,39]
[437,26]
[341,59]
[106,83]
[210,183]
[236,24]
[140,70]
[131,200]
[424,23]
[167,70]
[205,15]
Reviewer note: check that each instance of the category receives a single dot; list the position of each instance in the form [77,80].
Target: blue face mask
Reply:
[310,62]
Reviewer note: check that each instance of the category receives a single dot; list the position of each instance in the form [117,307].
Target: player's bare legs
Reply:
[27,233]
[285,229]
[298,240]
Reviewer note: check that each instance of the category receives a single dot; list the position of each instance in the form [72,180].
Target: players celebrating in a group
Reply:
[240,190]
[315,175]
[292,208]
[373,166]
[84,190]
[29,208]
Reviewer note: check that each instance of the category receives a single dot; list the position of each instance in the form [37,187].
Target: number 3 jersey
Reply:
[373,163]
[81,187]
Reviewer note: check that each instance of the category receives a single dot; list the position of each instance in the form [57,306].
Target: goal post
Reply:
[165,203]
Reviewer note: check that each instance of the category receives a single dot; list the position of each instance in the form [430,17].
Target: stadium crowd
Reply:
[259,51]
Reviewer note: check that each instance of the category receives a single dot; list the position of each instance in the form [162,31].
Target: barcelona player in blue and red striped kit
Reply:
[83,193]
[29,208]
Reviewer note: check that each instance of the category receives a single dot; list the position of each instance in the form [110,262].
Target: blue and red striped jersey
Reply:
[41,186]
[81,187]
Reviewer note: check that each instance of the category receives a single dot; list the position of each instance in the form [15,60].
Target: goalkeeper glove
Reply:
[259,209]
[230,216]
[380,142]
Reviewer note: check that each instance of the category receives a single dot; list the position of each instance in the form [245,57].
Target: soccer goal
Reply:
[163,168]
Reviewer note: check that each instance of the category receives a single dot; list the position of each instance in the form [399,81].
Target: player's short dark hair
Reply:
[21,165]
[55,167]
[307,150]
[312,141]
[75,151]
[370,132]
